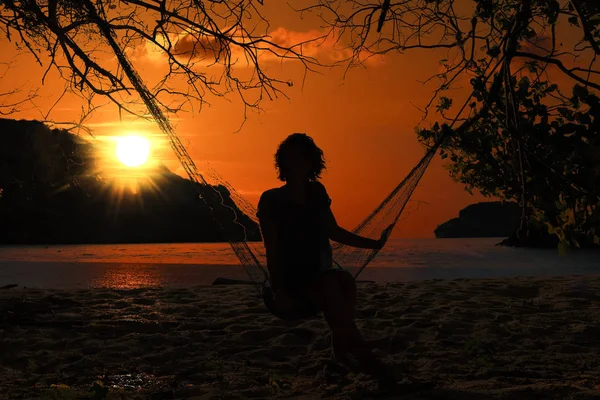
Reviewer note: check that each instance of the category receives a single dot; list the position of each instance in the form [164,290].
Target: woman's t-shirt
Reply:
[303,232]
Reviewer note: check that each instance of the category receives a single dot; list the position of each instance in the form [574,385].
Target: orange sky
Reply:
[364,123]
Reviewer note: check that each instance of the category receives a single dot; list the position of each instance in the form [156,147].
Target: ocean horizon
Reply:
[125,266]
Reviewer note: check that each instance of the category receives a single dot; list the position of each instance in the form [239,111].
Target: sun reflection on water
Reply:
[130,276]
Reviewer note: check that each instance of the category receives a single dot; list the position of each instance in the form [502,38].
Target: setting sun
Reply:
[133,151]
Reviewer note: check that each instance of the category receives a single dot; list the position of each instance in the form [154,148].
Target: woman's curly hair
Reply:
[306,144]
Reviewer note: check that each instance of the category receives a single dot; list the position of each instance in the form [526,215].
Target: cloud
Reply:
[325,46]
[202,47]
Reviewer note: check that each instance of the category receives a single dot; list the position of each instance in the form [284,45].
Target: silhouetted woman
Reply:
[297,223]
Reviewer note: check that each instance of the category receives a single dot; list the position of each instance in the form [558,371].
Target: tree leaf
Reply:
[574,21]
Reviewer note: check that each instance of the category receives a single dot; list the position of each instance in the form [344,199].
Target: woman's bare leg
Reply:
[348,285]
[348,288]
[341,322]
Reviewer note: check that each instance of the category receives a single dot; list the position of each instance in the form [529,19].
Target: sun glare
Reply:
[133,151]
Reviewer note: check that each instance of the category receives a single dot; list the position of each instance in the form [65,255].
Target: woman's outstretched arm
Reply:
[343,236]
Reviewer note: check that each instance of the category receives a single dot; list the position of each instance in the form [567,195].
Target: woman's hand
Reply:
[384,236]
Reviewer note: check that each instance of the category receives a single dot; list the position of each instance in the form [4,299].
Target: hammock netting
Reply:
[232,213]
[354,260]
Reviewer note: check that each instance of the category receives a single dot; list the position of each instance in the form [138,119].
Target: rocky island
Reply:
[485,219]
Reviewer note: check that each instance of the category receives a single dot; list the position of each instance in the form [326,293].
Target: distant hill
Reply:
[486,219]
[51,193]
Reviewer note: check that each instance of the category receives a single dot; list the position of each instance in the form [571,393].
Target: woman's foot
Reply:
[371,364]
[342,347]
[338,350]
[392,384]
[340,354]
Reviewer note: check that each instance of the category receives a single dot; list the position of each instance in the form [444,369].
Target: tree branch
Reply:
[561,66]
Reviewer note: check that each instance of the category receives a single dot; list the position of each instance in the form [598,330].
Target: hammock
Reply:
[252,254]
[351,259]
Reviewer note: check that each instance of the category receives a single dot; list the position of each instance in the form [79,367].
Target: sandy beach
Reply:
[520,338]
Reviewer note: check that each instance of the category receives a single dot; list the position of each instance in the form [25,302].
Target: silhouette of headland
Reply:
[485,219]
[52,192]
[496,219]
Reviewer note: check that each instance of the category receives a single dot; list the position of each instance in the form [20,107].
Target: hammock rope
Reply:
[252,254]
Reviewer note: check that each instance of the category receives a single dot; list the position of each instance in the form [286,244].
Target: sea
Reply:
[126,266]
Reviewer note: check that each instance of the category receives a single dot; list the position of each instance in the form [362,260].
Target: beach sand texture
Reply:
[521,338]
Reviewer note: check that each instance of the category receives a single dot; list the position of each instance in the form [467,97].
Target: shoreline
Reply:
[127,273]
[487,338]
[9,245]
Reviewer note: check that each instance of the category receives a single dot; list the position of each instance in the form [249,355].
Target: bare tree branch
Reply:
[569,71]
[13,100]
[208,48]
[472,41]
[586,11]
